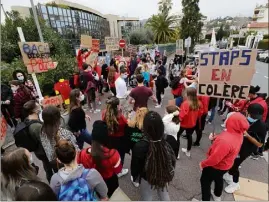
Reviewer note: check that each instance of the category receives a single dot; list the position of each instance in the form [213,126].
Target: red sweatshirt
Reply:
[110,165]
[81,58]
[205,102]
[226,146]
[188,117]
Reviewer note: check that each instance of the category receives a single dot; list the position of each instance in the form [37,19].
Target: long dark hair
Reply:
[15,167]
[111,114]
[156,166]
[52,120]
[14,75]
[73,97]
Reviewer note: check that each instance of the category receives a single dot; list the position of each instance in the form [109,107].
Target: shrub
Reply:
[264,44]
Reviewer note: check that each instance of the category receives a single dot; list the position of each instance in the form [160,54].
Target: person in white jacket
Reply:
[171,126]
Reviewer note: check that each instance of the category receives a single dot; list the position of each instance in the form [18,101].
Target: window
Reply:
[61,18]
[53,24]
[58,23]
[45,17]
[73,13]
[60,31]
[60,11]
[70,19]
[43,9]
[64,12]
[68,12]
[50,10]
[55,10]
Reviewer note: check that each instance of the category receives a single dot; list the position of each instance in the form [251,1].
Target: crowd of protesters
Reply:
[126,126]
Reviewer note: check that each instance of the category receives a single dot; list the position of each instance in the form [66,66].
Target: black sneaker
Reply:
[195,144]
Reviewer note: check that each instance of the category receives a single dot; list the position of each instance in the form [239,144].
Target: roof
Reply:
[258,25]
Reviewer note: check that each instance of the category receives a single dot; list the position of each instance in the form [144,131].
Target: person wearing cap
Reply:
[106,161]
[253,139]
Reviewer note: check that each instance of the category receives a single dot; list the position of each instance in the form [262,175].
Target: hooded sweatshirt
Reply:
[94,179]
[170,127]
[226,146]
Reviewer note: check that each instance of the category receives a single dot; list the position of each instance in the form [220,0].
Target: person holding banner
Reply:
[83,53]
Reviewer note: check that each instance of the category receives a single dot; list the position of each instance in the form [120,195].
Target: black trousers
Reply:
[209,175]
[173,143]
[189,132]
[200,126]
[112,184]
[8,113]
[158,95]
[113,90]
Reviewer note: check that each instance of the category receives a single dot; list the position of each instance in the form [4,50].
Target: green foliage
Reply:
[11,56]
[57,5]
[191,24]
[266,36]
[221,33]
[161,25]
[141,36]
[264,44]
[165,6]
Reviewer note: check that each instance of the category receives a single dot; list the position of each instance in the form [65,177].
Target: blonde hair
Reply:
[139,118]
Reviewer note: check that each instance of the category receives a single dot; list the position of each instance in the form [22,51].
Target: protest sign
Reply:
[226,73]
[179,47]
[55,101]
[85,41]
[36,57]
[131,49]
[3,130]
[95,45]
[112,43]
[92,59]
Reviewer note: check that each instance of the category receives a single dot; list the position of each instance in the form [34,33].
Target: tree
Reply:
[220,33]
[191,24]
[141,36]
[165,6]
[161,25]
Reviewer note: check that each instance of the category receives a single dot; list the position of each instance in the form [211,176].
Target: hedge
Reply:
[264,44]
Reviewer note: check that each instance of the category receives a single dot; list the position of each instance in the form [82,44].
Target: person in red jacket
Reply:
[253,98]
[82,56]
[106,161]
[112,77]
[190,110]
[116,124]
[200,124]
[21,95]
[221,155]
[182,84]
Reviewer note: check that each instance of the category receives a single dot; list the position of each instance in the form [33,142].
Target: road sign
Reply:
[188,42]
[179,47]
[122,43]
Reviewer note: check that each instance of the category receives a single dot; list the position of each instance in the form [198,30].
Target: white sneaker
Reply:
[158,106]
[178,156]
[136,184]
[215,198]
[188,153]
[232,188]
[99,102]
[96,111]
[162,96]
[223,125]
[228,178]
[123,172]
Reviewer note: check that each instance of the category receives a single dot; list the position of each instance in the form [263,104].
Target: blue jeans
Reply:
[213,111]
[84,136]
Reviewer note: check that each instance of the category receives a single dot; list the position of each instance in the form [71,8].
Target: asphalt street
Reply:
[186,183]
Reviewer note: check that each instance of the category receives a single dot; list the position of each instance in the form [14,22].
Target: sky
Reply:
[143,9]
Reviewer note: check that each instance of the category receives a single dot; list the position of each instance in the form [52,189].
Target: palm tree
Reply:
[165,6]
[161,25]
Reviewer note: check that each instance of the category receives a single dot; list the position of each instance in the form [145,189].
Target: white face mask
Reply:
[20,77]
[14,88]
[124,76]
[81,97]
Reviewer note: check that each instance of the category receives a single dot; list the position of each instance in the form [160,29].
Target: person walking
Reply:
[99,156]
[253,139]
[161,83]
[221,155]
[190,110]
[140,94]
[153,160]
[112,77]
[77,118]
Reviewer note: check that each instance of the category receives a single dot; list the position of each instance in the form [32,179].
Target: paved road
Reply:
[186,183]
[261,76]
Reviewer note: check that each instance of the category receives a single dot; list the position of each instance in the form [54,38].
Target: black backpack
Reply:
[174,83]
[165,82]
[22,136]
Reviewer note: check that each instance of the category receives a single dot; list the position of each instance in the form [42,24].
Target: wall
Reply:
[265,17]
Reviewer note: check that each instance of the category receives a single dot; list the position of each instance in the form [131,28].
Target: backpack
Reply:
[77,190]
[174,83]
[22,136]
[165,82]
[133,81]
[82,81]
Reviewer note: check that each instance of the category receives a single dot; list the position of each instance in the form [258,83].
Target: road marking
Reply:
[266,77]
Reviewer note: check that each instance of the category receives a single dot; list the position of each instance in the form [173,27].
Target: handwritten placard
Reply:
[36,57]
[92,59]
[85,41]
[226,73]
[3,130]
[95,45]
[112,43]
[55,101]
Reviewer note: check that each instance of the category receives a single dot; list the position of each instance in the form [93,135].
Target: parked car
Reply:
[263,57]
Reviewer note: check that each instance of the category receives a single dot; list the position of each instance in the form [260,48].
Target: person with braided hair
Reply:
[153,160]
[116,124]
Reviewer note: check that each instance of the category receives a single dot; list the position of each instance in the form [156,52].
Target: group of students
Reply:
[78,173]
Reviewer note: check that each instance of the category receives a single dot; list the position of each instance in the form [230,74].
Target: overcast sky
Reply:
[145,8]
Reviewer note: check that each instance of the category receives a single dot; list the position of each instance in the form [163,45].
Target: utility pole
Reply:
[36,21]
[4,10]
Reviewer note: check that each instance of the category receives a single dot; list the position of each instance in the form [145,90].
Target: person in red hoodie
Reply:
[190,110]
[200,124]
[242,105]
[82,56]
[98,156]
[221,155]
[116,124]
